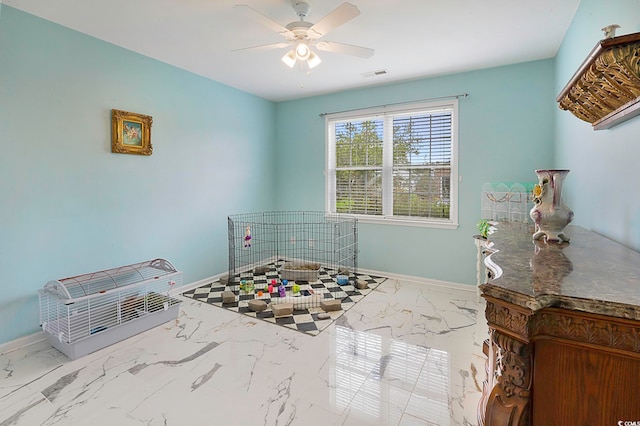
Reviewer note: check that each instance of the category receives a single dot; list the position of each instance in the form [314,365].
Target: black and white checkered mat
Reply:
[305,315]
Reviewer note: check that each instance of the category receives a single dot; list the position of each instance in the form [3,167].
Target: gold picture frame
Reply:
[130,133]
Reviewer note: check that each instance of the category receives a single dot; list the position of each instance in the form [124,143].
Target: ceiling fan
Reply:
[302,34]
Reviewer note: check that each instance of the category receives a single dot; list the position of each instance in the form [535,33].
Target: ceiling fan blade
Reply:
[345,49]
[264,47]
[338,16]
[264,20]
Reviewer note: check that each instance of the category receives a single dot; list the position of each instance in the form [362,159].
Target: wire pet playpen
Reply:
[299,239]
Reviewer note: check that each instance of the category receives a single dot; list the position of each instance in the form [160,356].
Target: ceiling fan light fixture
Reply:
[301,35]
[302,51]
[290,58]
[314,60]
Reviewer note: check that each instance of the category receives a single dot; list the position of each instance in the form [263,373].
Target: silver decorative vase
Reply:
[549,212]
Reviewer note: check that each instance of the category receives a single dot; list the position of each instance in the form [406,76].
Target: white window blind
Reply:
[398,164]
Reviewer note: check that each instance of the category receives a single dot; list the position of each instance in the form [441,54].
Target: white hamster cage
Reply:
[91,311]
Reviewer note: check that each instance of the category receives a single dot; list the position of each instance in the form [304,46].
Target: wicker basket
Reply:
[300,271]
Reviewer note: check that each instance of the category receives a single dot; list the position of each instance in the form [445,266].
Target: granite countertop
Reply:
[591,273]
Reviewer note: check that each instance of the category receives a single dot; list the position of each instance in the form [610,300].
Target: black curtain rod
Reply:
[462,95]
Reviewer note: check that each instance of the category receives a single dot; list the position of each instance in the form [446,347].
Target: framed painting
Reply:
[130,133]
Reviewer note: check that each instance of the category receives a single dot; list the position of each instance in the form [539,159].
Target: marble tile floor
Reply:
[407,354]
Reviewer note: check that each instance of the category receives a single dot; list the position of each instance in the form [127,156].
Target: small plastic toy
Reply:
[282,290]
[270,288]
[247,286]
[247,237]
[296,289]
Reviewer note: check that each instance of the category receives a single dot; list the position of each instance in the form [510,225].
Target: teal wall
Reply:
[505,133]
[603,186]
[70,206]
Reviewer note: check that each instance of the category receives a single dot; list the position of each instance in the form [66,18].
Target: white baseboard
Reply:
[22,342]
[39,336]
[411,278]
[420,280]
[199,283]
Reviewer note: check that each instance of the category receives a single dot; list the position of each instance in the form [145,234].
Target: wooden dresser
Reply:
[564,331]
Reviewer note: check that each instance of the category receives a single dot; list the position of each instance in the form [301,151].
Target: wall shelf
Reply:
[605,91]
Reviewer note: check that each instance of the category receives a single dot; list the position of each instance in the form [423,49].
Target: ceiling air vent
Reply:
[374,73]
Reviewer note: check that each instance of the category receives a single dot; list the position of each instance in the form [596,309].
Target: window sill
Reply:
[403,221]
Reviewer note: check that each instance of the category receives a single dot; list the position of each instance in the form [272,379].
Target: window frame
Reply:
[386,113]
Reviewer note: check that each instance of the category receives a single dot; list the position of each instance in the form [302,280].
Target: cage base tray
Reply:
[103,337]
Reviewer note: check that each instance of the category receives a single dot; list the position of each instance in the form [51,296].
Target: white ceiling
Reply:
[411,38]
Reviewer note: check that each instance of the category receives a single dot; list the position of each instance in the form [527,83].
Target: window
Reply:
[394,164]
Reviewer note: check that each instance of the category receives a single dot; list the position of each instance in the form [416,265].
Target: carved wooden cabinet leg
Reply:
[508,382]
[488,383]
